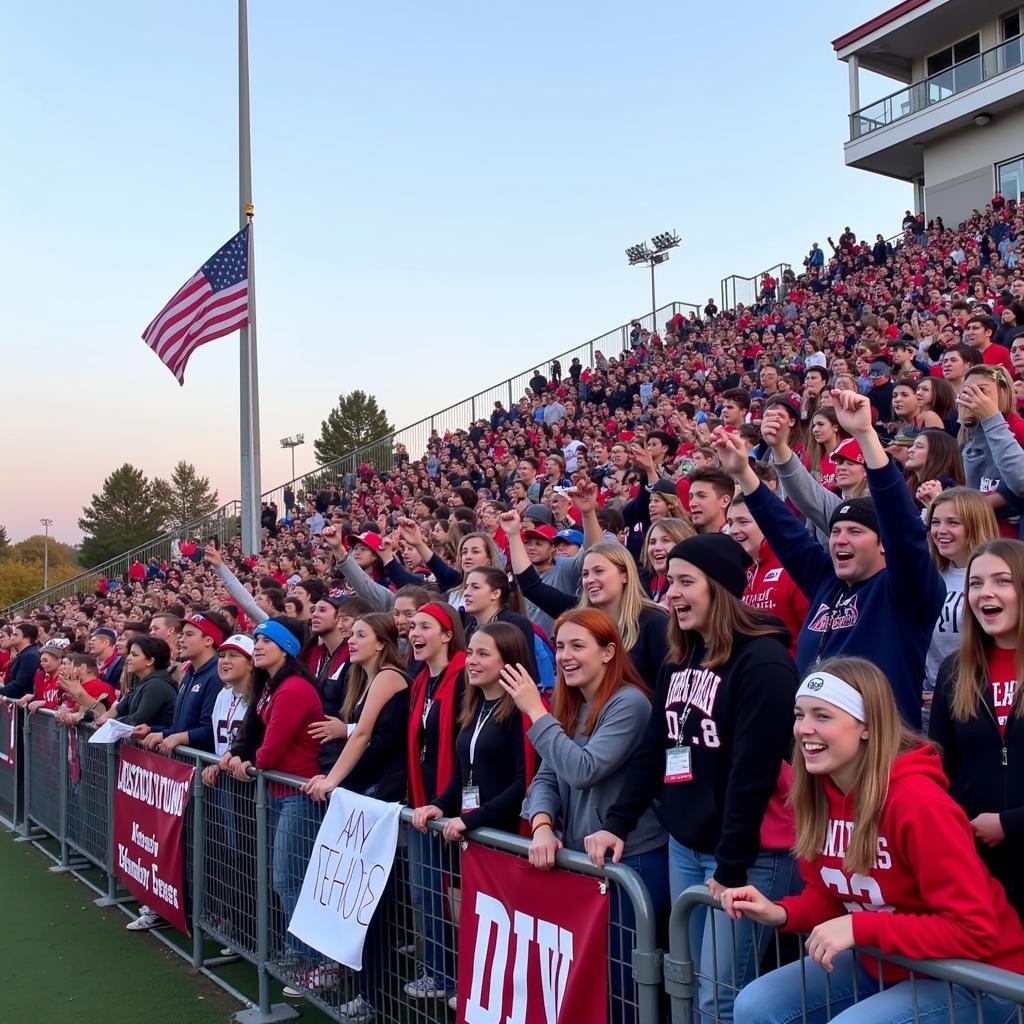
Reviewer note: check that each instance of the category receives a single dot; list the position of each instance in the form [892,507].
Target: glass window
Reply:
[1011,24]
[1010,178]
[963,50]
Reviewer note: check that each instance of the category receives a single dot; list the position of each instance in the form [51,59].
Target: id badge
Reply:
[470,798]
[677,765]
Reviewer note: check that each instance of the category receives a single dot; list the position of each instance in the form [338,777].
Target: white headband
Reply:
[833,690]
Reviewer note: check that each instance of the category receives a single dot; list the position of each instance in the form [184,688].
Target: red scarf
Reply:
[445,696]
[531,762]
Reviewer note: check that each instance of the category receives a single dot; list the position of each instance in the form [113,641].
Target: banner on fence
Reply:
[533,945]
[346,876]
[150,803]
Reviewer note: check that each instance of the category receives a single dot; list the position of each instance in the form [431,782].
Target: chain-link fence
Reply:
[87,784]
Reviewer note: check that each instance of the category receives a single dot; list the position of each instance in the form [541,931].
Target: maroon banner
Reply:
[533,945]
[150,804]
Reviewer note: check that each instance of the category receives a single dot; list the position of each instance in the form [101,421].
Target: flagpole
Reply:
[249,397]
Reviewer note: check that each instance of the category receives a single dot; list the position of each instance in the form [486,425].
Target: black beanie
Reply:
[717,555]
[855,510]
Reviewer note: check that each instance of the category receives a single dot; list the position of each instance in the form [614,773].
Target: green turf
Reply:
[65,959]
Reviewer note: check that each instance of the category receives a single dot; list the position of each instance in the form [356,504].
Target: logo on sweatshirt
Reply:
[843,616]
[773,575]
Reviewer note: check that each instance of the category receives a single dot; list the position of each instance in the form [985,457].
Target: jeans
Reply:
[295,821]
[652,867]
[430,859]
[850,995]
[726,954]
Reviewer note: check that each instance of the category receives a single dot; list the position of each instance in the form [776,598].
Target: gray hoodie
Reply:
[580,777]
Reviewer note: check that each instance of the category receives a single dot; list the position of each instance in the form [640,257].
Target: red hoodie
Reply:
[287,746]
[771,589]
[928,896]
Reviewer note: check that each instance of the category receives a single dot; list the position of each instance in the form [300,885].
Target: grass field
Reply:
[65,959]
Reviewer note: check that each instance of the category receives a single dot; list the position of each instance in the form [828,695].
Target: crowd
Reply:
[742,607]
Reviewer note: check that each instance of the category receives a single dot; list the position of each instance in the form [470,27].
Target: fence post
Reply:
[21,779]
[65,852]
[679,976]
[27,835]
[262,891]
[509,406]
[198,881]
[111,898]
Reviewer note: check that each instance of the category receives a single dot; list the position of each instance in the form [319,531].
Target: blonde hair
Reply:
[973,511]
[677,528]
[633,600]
[887,738]
[971,680]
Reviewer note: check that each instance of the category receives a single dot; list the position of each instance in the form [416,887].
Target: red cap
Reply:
[848,449]
[547,533]
[370,539]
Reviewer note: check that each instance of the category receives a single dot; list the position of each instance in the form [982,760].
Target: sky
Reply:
[443,195]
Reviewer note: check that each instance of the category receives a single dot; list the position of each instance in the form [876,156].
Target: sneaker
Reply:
[358,1011]
[319,978]
[146,920]
[425,987]
[409,949]
[453,1002]
[291,993]
[228,951]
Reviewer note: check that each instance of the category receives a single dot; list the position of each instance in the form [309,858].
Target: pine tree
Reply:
[354,422]
[186,496]
[122,516]
[5,543]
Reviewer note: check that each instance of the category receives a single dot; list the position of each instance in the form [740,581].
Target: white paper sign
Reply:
[111,731]
[346,876]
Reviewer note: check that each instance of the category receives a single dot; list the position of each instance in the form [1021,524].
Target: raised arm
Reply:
[233,585]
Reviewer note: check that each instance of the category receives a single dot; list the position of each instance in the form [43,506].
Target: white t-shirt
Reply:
[228,712]
[946,635]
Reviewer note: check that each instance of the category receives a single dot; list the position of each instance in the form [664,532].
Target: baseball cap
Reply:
[848,449]
[544,532]
[107,632]
[879,368]
[570,537]
[903,438]
[539,514]
[238,642]
[369,538]
[56,645]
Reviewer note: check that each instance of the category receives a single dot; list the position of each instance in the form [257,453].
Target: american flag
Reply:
[211,303]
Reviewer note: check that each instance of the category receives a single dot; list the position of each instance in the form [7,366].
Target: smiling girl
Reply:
[713,753]
[876,831]
[661,538]
[978,716]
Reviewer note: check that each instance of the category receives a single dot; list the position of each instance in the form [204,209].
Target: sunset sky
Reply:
[443,195]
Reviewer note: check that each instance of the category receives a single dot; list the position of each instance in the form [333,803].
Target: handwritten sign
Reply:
[346,876]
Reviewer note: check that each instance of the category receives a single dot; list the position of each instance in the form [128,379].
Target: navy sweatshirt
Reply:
[737,720]
[888,618]
[21,674]
[193,708]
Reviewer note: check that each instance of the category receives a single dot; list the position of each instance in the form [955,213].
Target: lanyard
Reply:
[685,713]
[231,713]
[432,685]
[827,631]
[481,720]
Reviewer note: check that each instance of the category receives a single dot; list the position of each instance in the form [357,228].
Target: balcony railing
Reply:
[1007,56]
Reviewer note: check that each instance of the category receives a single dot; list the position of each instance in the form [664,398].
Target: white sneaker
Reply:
[425,987]
[453,1002]
[146,920]
[357,1011]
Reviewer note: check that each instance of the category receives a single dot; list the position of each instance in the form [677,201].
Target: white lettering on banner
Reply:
[147,787]
[346,876]
[554,955]
[133,868]
[149,843]
[165,891]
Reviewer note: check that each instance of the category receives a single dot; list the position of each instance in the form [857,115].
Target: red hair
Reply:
[618,672]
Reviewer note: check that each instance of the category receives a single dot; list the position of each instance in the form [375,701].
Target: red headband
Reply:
[204,625]
[435,611]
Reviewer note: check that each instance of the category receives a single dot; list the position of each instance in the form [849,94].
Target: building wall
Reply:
[959,170]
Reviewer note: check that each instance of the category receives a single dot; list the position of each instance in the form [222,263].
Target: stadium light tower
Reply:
[293,443]
[640,255]
[46,524]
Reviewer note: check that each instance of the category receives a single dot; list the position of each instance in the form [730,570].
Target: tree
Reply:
[122,516]
[186,496]
[355,421]
[31,550]
[21,579]
[5,543]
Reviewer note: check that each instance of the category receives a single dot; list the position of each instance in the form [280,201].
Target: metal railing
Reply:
[241,882]
[704,989]
[1007,56]
[415,438]
[739,290]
